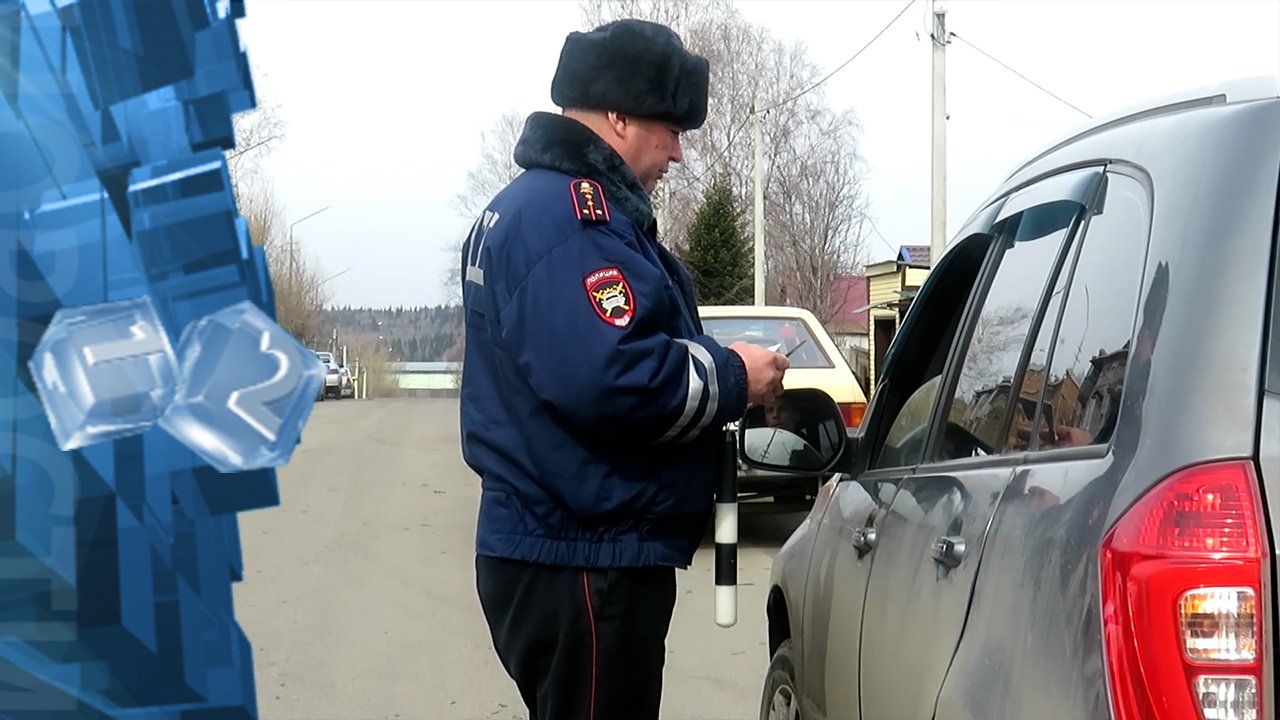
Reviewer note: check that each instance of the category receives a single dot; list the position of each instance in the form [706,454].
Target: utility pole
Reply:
[938,236]
[759,204]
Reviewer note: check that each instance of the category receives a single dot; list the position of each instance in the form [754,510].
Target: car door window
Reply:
[919,354]
[906,439]
[1031,407]
[1088,354]
[1031,247]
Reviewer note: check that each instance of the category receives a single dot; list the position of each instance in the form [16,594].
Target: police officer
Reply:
[593,403]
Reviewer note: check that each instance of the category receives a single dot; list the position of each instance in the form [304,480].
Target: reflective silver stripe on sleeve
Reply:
[713,385]
[691,401]
[475,275]
[696,385]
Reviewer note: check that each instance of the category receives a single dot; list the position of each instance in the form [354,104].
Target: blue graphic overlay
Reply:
[248,387]
[104,371]
[117,554]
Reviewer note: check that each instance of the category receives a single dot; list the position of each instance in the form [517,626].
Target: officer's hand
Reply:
[765,369]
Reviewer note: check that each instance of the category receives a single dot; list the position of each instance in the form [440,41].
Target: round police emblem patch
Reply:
[610,295]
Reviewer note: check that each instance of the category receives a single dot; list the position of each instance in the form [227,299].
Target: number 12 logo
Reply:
[237,392]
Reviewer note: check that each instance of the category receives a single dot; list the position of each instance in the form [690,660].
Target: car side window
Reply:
[904,445]
[1090,350]
[1030,407]
[1031,246]
[920,354]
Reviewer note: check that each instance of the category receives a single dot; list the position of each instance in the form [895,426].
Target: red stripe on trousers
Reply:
[591,616]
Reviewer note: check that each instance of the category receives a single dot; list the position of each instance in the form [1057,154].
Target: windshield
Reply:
[784,335]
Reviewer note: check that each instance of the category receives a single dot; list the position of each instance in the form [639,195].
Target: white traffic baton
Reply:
[726,534]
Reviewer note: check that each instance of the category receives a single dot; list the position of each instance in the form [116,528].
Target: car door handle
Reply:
[948,550]
[864,540]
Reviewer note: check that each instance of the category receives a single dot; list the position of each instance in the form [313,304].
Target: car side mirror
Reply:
[803,433]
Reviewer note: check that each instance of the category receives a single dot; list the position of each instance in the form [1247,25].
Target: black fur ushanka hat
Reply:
[635,67]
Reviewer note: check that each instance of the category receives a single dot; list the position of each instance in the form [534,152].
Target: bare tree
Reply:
[815,200]
[997,340]
[495,168]
[258,132]
[747,65]
[816,217]
[295,277]
[679,15]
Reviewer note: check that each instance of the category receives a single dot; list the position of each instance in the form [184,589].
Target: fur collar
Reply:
[563,144]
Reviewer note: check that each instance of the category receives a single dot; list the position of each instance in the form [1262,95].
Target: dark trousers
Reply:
[580,644]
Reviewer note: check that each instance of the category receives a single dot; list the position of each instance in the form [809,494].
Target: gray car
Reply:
[1061,501]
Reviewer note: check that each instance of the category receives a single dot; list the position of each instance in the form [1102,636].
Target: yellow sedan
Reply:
[816,362]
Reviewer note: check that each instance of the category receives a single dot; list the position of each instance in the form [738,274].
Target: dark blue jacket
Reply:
[593,405]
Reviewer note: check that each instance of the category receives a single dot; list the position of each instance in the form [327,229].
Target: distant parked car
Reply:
[346,388]
[332,377]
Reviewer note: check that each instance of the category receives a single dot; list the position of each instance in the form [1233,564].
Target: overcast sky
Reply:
[385,101]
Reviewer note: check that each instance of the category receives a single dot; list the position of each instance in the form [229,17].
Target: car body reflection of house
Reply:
[1061,398]
[1102,388]
[1085,404]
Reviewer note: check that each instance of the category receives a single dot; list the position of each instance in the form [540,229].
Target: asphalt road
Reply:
[359,590]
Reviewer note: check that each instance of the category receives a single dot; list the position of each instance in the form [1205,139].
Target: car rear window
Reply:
[784,335]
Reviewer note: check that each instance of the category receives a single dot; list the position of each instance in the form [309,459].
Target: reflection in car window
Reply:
[904,445]
[1087,369]
[778,334]
[985,384]
[1031,404]
[911,385]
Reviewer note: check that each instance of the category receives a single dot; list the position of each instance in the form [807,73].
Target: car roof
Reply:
[1078,144]
[1263,87]
[756,311]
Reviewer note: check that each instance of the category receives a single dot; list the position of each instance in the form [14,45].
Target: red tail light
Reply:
[852,413]
[1182,598]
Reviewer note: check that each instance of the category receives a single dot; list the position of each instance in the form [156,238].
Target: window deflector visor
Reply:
[1079,186]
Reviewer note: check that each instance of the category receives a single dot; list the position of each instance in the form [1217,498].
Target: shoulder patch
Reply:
[588,201]
[610,295]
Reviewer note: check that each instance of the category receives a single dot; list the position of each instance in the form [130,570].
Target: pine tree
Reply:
[717,254]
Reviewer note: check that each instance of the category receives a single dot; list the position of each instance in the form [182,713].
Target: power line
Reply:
[242,151]
[1024,77]
[734,135]
[719,156]
[881,235]
[842,66]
